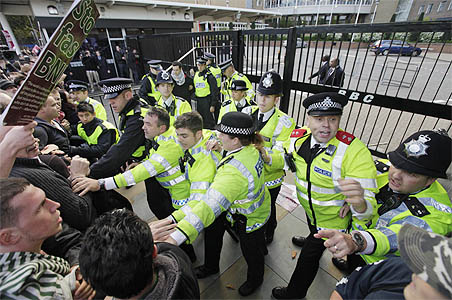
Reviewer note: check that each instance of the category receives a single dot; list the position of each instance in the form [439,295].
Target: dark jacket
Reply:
[132,137]
[381,280]
[322,72]
[78,212]
[104,142]
[103,67]
[183,91]
[119,57]
[65,244]
[336,78]
[146,88]
[50,134]
[90,63]
[176,278]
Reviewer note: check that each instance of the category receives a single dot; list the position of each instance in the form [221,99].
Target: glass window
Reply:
[442,5]
[450,5]
[429,8]
[421,9]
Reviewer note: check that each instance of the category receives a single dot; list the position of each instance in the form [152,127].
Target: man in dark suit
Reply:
[323,71]
[335,75]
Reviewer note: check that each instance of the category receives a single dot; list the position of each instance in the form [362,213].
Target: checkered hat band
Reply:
[115,88]
[77,86]
[235,130]
[324,105]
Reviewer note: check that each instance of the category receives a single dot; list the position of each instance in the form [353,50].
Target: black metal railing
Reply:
[391,95]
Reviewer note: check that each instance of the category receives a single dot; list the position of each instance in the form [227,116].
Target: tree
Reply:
[22,29]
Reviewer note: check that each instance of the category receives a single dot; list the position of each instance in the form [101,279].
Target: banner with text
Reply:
[52,62]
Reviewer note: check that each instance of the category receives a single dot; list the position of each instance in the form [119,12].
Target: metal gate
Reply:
[390,96]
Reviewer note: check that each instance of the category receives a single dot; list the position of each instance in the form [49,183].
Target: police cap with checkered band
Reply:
[114,86]
[164,77]
[270,84]
[155,64]
[77,85]
[238,85]
[225,64]
[201,60]
[426,152]
[236,123]
[208,55]
[325,104]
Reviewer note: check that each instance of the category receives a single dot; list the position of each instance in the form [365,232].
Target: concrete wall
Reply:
[434,14]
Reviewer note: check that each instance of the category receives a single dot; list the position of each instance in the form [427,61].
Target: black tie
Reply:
[260,122]
[314,151]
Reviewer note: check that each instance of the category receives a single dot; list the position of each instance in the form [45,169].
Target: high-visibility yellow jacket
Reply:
[276,134]
[317,187]
[200,170]
[178,107]
[238,188]
[429,209]
[163,163]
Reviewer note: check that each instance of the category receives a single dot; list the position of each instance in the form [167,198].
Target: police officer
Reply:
[213,68]
[227,67]
[199,163]
[408,193]
[324,158]
[239,177]
[79,91]
[147,91]
[130,147]
[206,93]
[216,72]
[238,100]
[99,135]
[174,105]
[275,127]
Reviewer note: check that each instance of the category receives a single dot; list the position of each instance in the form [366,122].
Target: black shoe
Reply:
[203,272]
[280,292]
[269,238]
[298,240]
[248,288]
[340,263]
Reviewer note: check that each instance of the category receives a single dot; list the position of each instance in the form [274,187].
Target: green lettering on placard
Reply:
[45,64]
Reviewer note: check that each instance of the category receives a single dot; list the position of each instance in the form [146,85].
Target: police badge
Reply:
[417,148]
[268,81]
[165,75]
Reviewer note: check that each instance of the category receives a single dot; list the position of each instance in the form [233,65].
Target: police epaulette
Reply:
[381,166]
[297,133]
[345,137]
[226,103]
[180,98]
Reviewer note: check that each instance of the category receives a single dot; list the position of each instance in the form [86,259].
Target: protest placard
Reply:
[52,62]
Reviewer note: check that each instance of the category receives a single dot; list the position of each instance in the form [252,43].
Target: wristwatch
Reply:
[358,239]
[101,183]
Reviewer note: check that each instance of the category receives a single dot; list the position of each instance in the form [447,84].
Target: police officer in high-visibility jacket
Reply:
[206,93]
[78,90]
[216,72]
[99,135]
[237,193]
[174,105]
[147,91]
[227,67]
[131,144]
[199,163]
[325,158]
[238,100]
[409,193]
[275,128]
[213,68]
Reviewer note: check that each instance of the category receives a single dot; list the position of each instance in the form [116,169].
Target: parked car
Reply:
[300,43]
[385,47]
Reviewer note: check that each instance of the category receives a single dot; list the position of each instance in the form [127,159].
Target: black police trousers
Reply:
[307,265]
[252,245]
[203,107]
[271,224]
